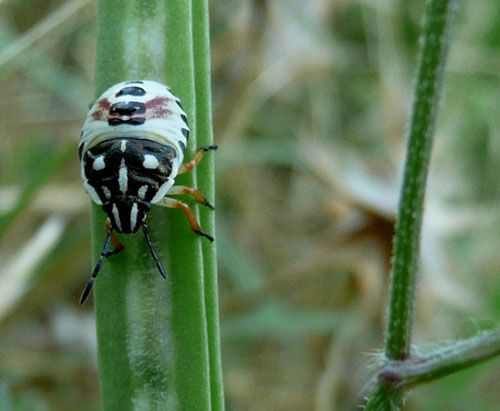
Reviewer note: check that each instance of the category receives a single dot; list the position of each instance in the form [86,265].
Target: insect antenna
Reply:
[153,251]
[104,253]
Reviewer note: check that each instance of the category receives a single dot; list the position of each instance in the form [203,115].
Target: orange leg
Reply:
[186,167]
[192,192]
[117,244]
[195,226]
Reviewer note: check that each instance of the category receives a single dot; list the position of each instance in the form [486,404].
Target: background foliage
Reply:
[311,102]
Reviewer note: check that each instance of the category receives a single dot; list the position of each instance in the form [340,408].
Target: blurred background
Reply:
[311,103]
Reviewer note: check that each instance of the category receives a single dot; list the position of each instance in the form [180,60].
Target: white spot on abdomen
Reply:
[142,192]
[93,194]
[150,162]
[98,163]
[116,214]
[123,177]
[167,185]
[106,192]
[133,216]
[123,146]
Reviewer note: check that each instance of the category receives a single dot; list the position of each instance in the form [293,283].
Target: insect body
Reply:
[131,149]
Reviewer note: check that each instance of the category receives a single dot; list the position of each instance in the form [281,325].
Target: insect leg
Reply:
[116,243]
[196,159]
[193,192]
[97,267]
[153,251]
[172,203]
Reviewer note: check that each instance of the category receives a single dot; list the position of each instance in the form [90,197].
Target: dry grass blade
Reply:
[61,16]
[18,273]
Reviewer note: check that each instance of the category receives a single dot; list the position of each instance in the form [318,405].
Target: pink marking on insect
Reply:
[102,110]
[158,107]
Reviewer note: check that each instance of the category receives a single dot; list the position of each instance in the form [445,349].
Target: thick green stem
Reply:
[153,337]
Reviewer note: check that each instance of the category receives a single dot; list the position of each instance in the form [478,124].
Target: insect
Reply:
[131,149]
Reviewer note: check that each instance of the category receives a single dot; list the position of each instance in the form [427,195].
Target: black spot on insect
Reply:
[80,150]
[152,149]
[127,108]
[91,105]
[183,147]
[185,133]
[133,121]
[184,118]
[136,121]
[131,91]
[179,104]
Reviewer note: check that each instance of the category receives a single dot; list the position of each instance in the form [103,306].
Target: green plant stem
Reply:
[206,183]
[153,342]
[444,361]
[384,397]
[435,39]
[420,137]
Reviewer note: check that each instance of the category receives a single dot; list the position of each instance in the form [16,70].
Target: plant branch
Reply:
[445,361]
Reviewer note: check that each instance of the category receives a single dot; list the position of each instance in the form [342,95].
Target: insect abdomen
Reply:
[126,171]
